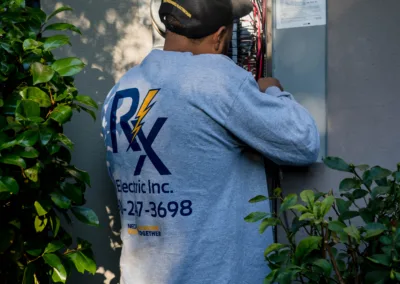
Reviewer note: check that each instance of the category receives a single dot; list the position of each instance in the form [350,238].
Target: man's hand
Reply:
[265,83]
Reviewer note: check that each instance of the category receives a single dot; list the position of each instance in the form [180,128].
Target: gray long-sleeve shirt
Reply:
[185,137]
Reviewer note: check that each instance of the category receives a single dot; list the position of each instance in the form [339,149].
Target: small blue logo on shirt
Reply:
[136,135]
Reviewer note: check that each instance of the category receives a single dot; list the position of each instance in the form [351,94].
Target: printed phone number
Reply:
[160,210]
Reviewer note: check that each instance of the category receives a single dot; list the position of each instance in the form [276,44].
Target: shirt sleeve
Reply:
[274,124]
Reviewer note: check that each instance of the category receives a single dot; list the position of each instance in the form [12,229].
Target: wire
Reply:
[247,47]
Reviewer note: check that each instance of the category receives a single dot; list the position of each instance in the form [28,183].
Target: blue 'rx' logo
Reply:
[136,133]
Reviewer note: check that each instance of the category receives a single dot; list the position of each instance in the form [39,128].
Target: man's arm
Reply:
[273,123]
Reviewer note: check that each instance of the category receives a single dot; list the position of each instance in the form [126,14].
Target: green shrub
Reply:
[38,185]
[352,239]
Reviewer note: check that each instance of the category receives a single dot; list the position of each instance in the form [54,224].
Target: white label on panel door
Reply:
[300,13]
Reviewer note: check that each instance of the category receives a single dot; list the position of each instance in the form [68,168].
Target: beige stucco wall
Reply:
[362,98]
[116,36]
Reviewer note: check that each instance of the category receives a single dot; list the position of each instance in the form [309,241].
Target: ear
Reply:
[219,39]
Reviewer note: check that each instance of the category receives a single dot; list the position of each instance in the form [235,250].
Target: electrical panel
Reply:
[299,52]
[248,45]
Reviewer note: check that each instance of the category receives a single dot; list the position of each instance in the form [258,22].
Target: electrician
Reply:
[190,121]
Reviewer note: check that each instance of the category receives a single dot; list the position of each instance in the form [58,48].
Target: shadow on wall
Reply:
[116,36]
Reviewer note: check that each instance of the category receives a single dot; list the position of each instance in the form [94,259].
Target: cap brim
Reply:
[241,8]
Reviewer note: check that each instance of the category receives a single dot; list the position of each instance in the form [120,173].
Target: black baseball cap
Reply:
[200,18]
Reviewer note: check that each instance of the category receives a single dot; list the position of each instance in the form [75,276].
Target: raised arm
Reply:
[274,124]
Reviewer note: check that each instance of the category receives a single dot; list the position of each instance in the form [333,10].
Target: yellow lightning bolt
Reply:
[143,111]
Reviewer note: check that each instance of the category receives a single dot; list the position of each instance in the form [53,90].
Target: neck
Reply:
[178,43]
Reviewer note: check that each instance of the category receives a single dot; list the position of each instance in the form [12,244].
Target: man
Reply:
[185,133]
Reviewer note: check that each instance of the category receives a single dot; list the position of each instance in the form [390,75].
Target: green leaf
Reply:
[29,274]
[55,224]
[16,223]
[83,261]
[60,200]
[65,140]
[63,96]
[45,135]
[308,197]
[306,246]
[73,192]
[362,167]
[68,66]
[41,74]
[30,44]
[299,207]
[255,217]
[380,190]
[349,215]
[353,232]
[367,179]
[42,207]
[297,225]
[277,192]
[397,176]
[349,183]
[280,257]
[343,206]
[28,152]
[86,100]
[374,229]
[59,10]
[27,138]
[359,193]
[285,277]
[56,278]
[274,247]
[54,149]
[13,160]
[34,247]
[89,111]
[27,109]
[271,277]
[386,240]
[326,205]
[376,277]
[55,42]
[337,164]
[8,185]
[40,224]
[6,239]
[324,265]
[268,222]
[336,226]
[54,246]
[55,262]
[378,173]
[258,198]
[307,216]
[382,259]
[62,27]
[61,114]
[81,175]
[33,173]
[289,201]
[85,215]
[7,47]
